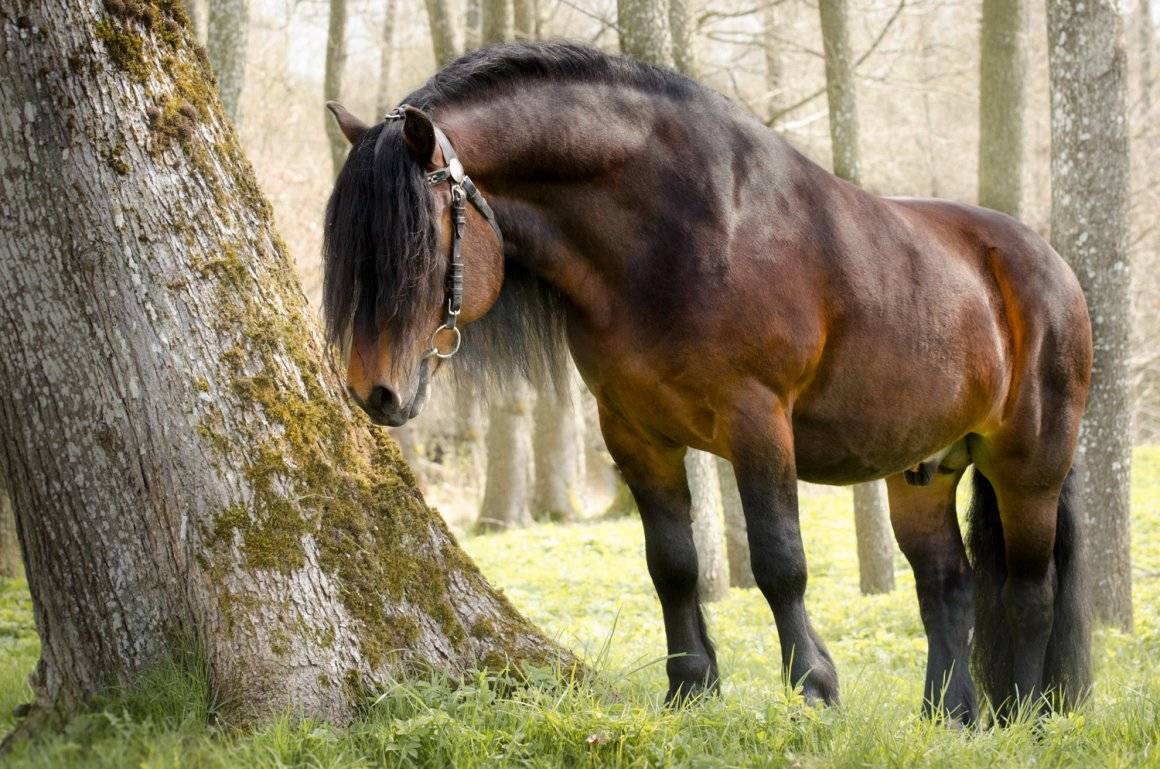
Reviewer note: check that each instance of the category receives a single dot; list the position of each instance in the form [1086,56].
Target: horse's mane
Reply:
[381,259]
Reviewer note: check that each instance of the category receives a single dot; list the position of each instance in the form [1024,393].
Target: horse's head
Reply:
[391,297]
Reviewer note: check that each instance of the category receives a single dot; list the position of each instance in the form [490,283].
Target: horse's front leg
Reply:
[655,473]
[763,459]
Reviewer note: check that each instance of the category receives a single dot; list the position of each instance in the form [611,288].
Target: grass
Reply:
[587,585]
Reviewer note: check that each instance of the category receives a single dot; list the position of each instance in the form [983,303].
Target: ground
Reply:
[587,585]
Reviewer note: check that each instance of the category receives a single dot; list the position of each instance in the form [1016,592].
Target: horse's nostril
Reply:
[383,400]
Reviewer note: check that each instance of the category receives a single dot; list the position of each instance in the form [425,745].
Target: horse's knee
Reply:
[781,576]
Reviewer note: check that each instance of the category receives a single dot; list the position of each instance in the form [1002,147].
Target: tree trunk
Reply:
[1002,75]
[774,69]
[708,529]
[871,515]
[509,462]
[875,538]
[1089,227]
[185,472]
[473,25]
[442,32]
[227,27]
[682,29]
[644,31]
[524,19]
[9,542]
[198,21]
[736,531]
[1147,44]
[840,90]
[559,454]
[386,58]
[497,21]
[332,80]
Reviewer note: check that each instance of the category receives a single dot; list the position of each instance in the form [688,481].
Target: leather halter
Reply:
[462,189]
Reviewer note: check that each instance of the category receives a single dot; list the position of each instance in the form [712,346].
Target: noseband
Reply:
[462,190]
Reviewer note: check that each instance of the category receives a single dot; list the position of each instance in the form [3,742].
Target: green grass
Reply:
[587,585]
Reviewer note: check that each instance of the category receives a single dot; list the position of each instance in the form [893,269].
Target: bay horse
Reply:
[718,290]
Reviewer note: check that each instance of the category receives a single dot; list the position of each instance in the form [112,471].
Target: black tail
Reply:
[1067,668]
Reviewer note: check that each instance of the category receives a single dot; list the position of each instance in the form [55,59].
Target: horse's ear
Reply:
[419,133]
[352,128]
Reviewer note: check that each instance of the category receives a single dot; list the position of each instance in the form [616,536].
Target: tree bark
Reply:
[198,21]
[442,32]
[497,21]
[683,33]
[1089,227]
[473,25]
[386,58]
[871,515]
[840,90]
[875,538]
[774,69]
[185,472]
[708,528]
[1147,44]
[644,31]
[9,541]
[559,454]
[736,530]
[332,81]
[1002,76]
[524,19]
[227,28]
[509,462]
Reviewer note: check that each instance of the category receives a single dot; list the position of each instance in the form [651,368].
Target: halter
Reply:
[462,189]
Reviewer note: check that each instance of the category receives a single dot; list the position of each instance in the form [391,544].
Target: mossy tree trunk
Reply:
[559,453]
[871,514]
[442,32]
[506,498]
[9,542]
[332,80]
[227,30]
[1002,76]
[736,530]
[185,471]
[386,58]
[1089,228]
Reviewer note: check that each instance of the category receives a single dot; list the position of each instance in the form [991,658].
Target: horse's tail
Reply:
[1067,667]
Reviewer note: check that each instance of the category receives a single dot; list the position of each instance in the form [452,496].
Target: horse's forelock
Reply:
[380,267]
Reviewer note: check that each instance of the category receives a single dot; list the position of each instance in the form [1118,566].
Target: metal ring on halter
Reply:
[434,351]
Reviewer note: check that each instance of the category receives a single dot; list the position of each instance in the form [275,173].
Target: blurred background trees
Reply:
[947,97]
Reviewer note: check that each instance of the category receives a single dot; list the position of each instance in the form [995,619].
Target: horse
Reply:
[717,290]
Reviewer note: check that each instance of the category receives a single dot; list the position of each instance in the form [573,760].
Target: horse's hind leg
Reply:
[927,530]
[655,473]
[767,480]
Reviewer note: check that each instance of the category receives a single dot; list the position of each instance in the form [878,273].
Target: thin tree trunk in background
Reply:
[683,32]
[708,528]
[1147,45]
[875,538]
[1002,76]
[774,69]
[473,25]
[524,19]
[871,514]
[197,19]
[332,80]
[386,58]
[442,32]
[185,470]
[497,21]
[736,531]
[840,90]
[9,542]
[559,454]
[1089,227]
[227,28]
[506,499]
[644,31]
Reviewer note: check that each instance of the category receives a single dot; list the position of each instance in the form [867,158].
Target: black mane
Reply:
[382,265]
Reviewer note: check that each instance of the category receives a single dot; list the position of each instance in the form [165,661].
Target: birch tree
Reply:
[871,513]
[1002,76]
[227,28]
[1089,227]
[184,469]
